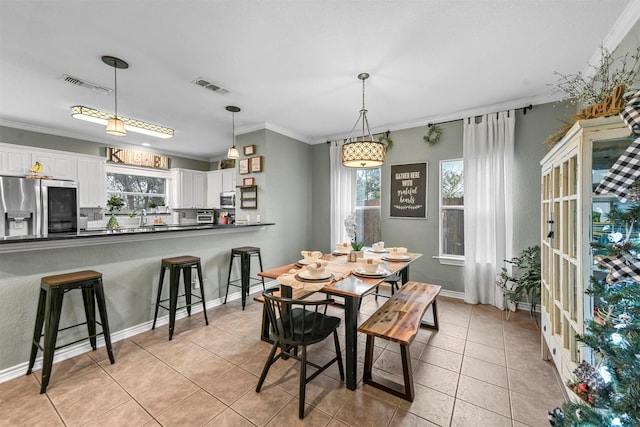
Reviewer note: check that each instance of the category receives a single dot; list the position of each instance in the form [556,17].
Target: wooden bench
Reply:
[399,320]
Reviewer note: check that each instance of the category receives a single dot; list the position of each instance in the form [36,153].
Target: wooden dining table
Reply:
[352,288]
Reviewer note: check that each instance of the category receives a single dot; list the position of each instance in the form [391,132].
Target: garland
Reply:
[433,135]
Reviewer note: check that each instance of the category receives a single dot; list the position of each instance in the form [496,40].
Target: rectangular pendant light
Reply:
[96,116]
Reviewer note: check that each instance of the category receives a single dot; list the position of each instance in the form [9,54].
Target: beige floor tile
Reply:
[313,416]
[435,377]
[19,388]
[491,338]
[136,380]
[448,343]
[443,358]
[485,371]
[391,362]
[534,383]
[431,405]
[404,418]
[128,414]
[24,411]
[207,370]
[260,408]
[454,319]
[119,349]
[532,412]
[231,385]
[336,423]
[486,353]
[452,330]
[323,392]
[197,409]
[468,415]
[229,418]
[76,387]
[94,404]
[485,395]
[179,353]
[166,393]
[363,409]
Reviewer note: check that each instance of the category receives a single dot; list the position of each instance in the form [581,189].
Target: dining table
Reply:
[351,286]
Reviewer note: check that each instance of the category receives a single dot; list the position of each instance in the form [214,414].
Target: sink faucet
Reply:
[143,217]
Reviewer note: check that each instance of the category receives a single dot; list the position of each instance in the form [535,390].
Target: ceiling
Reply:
[291,66]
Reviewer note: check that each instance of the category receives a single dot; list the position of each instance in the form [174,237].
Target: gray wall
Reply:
[53,142]
[422,235]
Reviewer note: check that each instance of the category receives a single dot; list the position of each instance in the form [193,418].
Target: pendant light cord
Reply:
[115,79]
[363,115]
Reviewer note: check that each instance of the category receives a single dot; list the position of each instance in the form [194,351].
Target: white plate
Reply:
[384,251]
[336,252]
[380,273]
[401,258]
[306,276]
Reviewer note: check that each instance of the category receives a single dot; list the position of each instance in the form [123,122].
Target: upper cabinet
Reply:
[92,182]
[14,160]
[57,165]
[219,181]
[189,189]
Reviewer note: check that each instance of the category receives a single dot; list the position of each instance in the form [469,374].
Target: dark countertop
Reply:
[105,236]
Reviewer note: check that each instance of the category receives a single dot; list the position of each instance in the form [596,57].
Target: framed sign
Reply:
[409,191]
[256,164]
[243,166]
[249,150]
[248,181]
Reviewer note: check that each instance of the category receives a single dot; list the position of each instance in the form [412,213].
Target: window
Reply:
[368,205]
[138,187]
[452,211]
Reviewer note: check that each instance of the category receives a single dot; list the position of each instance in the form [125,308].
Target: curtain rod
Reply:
[524,112]
[386,133]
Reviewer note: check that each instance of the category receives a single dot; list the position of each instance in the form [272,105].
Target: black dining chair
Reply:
[296,324]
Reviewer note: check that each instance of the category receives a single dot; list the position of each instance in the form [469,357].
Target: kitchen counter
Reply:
[107,236]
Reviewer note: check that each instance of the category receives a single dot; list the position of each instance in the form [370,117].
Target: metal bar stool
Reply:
[245,253]
[52,290]
[174,265]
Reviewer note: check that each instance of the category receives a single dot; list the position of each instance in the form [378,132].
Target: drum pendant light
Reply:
[114,124]
[233,151]
[364,152]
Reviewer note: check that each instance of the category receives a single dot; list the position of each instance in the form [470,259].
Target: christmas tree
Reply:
[610,390]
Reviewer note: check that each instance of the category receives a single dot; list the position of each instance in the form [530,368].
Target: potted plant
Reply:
[152,207]
[115,203]
[350,225]
[523,285]
[161,208]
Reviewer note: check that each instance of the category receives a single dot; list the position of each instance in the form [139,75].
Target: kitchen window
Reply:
[138,187]
[452,212]
[368,212]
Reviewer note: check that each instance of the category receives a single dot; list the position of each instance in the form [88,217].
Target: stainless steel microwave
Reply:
[228,200]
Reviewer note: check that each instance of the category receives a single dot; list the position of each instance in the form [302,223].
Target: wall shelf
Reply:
[248,196]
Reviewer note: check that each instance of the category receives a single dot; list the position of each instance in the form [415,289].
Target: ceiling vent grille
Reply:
[83,83]
[211,86]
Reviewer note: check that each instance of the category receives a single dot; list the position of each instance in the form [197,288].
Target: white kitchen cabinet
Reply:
[189,188]
[228,179]
[214,188]
[14,160]
[56,165]
[570,173]
[92,182]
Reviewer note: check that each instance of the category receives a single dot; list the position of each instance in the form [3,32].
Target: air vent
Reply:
[211,86]
[83,83]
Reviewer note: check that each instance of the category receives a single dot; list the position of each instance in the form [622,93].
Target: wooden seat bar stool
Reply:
[244,253]
[52,290]
[175,265]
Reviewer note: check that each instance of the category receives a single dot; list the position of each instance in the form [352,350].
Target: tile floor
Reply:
[478,370]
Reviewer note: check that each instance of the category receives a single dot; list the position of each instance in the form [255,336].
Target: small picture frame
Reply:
[248,181]
[249,150]
[243,166]
[256,164]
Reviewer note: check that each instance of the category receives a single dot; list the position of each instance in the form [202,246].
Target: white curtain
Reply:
[343,194]
[488,224]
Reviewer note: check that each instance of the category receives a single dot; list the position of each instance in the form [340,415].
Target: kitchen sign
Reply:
[409,191]
[137,158]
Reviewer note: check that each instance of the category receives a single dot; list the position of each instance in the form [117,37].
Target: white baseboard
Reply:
[84,347]
[451,294]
